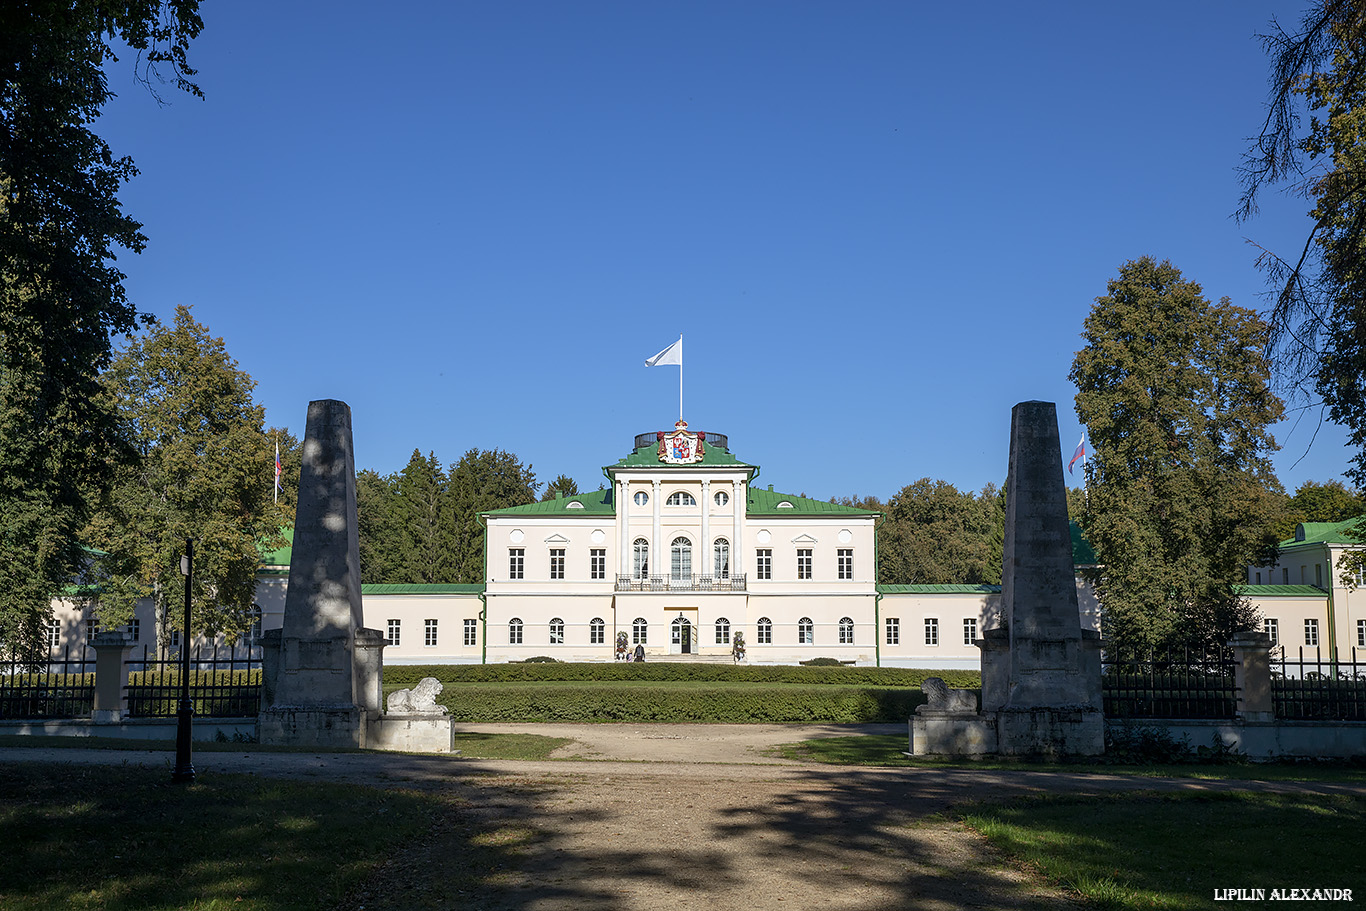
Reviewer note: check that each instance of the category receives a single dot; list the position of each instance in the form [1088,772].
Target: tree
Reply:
[376,528]
[204,472]
[1315,502]
[425,528]
[562,486]
[1318,320]
[1174,394]
[60,296]
[481,481]
[934,533]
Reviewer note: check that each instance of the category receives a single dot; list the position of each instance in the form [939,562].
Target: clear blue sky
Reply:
[877,225]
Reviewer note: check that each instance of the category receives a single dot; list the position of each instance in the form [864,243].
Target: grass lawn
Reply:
[1175,850]
[123,838]
[885,750]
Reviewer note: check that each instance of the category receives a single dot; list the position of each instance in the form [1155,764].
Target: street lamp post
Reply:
[184,770]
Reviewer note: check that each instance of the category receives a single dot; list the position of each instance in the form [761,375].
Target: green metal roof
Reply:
[1325,533]
[1083,554]
[593,503]
[382,588]
[648,457]
[1279,591]
[765,503]
[280,556]
[939,589]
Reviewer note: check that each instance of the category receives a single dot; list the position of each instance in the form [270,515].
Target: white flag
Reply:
[670,355]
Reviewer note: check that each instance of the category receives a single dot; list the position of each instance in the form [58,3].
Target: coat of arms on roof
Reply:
[681,446]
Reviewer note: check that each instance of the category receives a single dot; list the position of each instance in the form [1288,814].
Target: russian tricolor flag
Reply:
[1079,454]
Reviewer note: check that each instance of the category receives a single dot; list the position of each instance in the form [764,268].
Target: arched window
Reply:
[846,631]
[721,551]
[597,631]
[680,498]
[515,631]
[763,631]
[642,559]
[722,631]
[681,555]
[638,631]
[806,632]
[556,631]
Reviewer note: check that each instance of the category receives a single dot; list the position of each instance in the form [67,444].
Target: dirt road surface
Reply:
[697,817]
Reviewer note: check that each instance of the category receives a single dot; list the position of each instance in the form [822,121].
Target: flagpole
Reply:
[680,377]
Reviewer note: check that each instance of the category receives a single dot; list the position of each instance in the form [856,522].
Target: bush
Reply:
[822,662]
[539,659]
[562,672]
[722,704]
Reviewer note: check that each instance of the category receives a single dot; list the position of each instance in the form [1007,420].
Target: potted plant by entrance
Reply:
[737,648]
[621,646]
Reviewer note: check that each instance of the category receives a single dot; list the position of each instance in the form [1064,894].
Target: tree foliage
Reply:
[1315,502]
[562,486]
[481,481]
[1174,393]
[934,533]
[204,472]
[1318,320]
[61,297]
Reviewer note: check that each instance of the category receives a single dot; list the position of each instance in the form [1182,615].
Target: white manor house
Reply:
[684,551]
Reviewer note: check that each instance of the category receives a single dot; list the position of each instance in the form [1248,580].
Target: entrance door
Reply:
[681,636]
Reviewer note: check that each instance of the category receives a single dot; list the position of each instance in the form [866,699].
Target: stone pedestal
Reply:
[412,733]
[1252,676]
[111,700]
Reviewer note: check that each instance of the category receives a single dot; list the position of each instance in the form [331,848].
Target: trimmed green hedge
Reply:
[408,675]
[721,704]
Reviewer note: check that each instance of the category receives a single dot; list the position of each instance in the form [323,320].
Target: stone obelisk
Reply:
[323,668]
[1041,674]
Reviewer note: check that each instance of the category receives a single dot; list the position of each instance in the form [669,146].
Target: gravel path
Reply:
[688,817]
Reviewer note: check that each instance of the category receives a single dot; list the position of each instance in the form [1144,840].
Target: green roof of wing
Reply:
[454,588]
[593,503]
[1327,533]
[764,502]
[939,589]
[1082,552]
[280,555]
[1279,591]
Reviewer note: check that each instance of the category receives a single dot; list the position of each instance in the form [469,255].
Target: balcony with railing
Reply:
[734,582]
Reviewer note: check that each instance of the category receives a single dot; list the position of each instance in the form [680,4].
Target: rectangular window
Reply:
[931,631]
[893,631]
[429,639]
[597,563]
[1272,627]
[395,627]
[969,630]
[1361,574]
[1361,634]
[471,632]
[557,563]
[516,562]
[804,563]
[1318,574]
[846,563]
[135,627]
[1259,578]
[1285,575]
[92,629]
[763,568]
[175,638]
[54,633]
[1311,632]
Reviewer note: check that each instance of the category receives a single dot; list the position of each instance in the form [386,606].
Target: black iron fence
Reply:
[221,685]
[1172,685]
[51,688]
[1316,688]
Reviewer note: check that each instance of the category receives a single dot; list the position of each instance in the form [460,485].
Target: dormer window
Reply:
[785,505]
[680,498]
[573,504]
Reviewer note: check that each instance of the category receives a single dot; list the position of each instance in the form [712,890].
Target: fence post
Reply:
[1252,676]
[111,652]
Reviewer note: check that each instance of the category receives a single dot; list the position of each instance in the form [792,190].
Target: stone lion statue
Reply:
[941,698]
[420,700]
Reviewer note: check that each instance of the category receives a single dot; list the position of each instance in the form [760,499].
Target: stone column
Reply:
[1252,676]
[321,695]
[657,551]
[737,506]
[1052,703]
[111,655]
[623,527]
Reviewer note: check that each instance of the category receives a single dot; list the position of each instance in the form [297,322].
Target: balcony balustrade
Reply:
[734,582]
